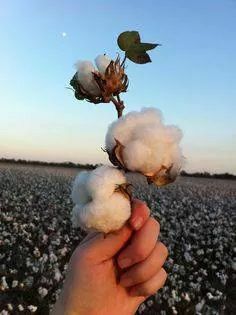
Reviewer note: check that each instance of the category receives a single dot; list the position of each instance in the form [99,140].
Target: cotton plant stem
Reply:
[118,104]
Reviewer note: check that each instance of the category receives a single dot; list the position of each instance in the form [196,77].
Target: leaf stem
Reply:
[123,61]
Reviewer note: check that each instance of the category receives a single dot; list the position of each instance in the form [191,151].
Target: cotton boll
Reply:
[109,215]
[74,215]
[101,203]
[85,71]
[140,141]
[146,117]
[151,135]
[103,181]
[135,155]
[101,84]
[144,158]
[121,129]
[79,192]
[116,133]
[173,134]
[157,159]
[102,62]
[169,155]
[125,127]
[150,115]
[79,220]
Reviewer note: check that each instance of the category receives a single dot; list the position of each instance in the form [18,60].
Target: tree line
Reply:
[93,166]
[43,163]
[208,175]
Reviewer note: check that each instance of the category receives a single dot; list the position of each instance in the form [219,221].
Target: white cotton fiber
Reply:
[148,144]
[79,191]
[137,152]
[85,71]
[106,216]
[102,62]
[103,181]
[98,206]
[125,128]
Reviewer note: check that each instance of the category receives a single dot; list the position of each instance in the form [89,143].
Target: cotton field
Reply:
[197,218]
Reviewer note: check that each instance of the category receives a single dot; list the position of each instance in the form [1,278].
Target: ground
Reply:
[197,218]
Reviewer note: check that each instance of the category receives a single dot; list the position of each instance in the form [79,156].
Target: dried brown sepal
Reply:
[125,189]
[116,155]
[162,177]
[113,81]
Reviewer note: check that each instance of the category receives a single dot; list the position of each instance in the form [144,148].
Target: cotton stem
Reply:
[119,104]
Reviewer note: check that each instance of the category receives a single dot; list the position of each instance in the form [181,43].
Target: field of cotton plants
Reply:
[197,218]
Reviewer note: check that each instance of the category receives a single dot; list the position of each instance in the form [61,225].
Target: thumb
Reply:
[102,246]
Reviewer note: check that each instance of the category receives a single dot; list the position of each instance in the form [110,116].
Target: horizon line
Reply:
[90,165]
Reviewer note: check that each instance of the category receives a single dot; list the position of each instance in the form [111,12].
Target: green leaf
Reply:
[135,50]
[147,46]
[138,57]
[127,39]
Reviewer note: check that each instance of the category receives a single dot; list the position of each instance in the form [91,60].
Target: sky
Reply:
[192,77]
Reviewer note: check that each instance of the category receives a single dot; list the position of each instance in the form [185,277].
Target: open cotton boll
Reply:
[135,155]
[101,204]
[102,62]
[74,216]
[125,128]
[141,142]
[85,76]
[103,181]
[79,192]
[103,216]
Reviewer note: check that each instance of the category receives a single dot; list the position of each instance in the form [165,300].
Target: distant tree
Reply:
[43,163]
[208,175]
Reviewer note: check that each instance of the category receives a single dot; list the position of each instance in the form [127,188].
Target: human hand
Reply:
[113,274]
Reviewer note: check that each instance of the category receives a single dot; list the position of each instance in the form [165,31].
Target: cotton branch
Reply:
[119,104]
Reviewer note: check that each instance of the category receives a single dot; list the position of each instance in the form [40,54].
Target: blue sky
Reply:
[192,77]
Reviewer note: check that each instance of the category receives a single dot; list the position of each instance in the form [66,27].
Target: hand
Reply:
[113,274]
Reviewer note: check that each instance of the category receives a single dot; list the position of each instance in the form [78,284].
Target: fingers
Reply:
[151,286]
[98,247]
[146,269]
[101,247]
[89,237]
[140,214]
[142,244]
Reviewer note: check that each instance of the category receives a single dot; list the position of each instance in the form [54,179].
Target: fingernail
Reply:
[137,223]
[125,262]
[126,282]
